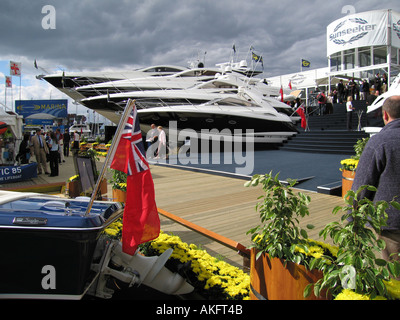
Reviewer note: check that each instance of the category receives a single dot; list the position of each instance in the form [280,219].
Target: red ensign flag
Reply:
[141,222]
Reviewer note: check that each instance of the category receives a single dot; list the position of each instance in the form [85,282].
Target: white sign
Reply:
[358,30]
[396,29]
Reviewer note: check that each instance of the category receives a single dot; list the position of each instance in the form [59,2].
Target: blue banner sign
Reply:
[39,122]
[57,108]
[18,173]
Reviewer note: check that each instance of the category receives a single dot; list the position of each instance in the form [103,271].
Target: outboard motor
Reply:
[136,270]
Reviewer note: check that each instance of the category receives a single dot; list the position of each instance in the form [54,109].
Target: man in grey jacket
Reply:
[379,166]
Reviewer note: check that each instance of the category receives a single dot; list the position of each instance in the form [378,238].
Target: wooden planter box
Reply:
[103,189]
[271,280]
[119,195]
[347,181]
[102,147]
[73,189]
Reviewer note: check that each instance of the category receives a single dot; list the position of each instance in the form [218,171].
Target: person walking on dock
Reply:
[75,146]
[349,109]
[66,142]
[54,154]
[162,140]
[40,150]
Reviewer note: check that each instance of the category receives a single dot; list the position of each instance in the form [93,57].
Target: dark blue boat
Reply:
[52,249]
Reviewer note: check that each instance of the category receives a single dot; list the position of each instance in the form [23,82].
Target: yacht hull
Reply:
[212,125]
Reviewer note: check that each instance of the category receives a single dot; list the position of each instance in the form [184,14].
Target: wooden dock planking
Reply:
[222,205]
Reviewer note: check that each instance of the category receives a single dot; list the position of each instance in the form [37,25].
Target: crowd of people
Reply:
[360,90]
[366,90]
[50,147]
[346,93]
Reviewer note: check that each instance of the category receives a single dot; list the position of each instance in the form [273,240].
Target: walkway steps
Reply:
[328,133]
[341,142]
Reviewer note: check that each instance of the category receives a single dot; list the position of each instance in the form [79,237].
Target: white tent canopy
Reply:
[14,122]
[41,116]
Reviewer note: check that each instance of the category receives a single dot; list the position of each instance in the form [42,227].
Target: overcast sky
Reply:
[114,34]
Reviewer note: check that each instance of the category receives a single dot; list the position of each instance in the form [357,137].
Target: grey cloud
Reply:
[100,34]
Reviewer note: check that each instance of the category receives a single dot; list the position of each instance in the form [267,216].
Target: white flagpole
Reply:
[111,151]
[20,85]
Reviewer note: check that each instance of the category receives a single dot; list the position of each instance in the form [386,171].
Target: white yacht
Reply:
[231,100]
[81,128]
[374,111]
[223,86]
[68,82]
[179,80]
[222,117]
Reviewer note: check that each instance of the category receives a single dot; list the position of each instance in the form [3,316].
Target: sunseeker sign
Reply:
[344,33]
[396,29]
[357,30]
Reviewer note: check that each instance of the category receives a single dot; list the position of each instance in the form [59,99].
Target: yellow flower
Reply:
[393,288]
[111,232]
[348,294]
[73,178]
[317,249]
[349,164]
[211,272]
[102,154]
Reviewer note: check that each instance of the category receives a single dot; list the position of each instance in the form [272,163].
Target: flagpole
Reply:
[20,85]
[111,152]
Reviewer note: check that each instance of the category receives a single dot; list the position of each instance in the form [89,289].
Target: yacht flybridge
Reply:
[179,80]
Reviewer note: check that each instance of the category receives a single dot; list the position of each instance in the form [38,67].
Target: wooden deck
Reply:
[222,205]
[219,204]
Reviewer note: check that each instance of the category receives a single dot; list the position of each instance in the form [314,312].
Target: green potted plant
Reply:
[349,166]
[359,147]
[357,266]
[118,185]
[279,263]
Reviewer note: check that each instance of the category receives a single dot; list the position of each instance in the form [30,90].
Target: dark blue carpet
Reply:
[310,169]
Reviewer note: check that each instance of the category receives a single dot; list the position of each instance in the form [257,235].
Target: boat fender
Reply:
[82,198]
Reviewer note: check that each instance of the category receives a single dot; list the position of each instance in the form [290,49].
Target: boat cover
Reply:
[37,210]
